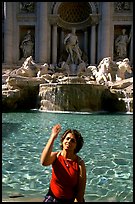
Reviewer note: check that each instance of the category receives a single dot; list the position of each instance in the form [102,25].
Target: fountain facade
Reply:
[98,25]
[70,68]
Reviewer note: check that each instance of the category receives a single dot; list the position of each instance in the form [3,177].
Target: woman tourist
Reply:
[68,180]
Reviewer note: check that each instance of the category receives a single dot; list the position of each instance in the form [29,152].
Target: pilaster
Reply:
[8,33]
[93,45]
[54,44]
[42,32]
[105,37]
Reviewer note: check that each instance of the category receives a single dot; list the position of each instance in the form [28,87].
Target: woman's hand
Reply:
[55,130]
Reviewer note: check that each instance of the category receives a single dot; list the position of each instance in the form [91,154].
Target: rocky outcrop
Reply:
[124,91]
[58,92]
[20,93]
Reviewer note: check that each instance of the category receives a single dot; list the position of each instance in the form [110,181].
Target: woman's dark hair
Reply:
[78,137]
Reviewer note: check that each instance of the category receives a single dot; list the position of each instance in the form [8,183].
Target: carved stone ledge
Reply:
[28,18]
[93,19]
[122,18]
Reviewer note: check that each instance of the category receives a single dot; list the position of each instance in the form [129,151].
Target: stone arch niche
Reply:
[82,16]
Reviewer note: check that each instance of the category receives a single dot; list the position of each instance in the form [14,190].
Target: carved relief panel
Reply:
[27,7]
[120,7]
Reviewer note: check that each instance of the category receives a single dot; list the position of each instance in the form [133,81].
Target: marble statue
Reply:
[65,67]
[27,69]
[27,45]
[104,68]
[81,68]
[43,69]
[121,43]
[123,66]
[99,76]
[27,62]
[72,48]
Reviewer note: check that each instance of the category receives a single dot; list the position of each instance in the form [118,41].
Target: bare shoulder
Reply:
[55,155]
[82,168]
[81,161]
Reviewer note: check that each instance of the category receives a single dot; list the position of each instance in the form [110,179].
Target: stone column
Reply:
[8,32]
[85,41]
[131,46]
[93,45]
[42,43]
[62,40]
[54,44]
[105,38]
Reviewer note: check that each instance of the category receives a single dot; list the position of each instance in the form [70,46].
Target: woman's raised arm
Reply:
[47,156]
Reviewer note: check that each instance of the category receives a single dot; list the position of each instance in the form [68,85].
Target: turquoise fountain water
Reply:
[107,152]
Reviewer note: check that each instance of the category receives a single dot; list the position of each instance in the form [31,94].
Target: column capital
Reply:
[53,19]
[94,19]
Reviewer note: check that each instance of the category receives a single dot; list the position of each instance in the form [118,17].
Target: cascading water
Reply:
[77,97]
[127,100]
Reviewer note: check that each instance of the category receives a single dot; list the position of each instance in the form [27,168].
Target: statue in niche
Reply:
[27,7]
[121,43]
[27,45]
[72,48]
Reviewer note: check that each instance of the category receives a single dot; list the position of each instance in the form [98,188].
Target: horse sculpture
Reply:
[104,68]
[123,66]
[26,70]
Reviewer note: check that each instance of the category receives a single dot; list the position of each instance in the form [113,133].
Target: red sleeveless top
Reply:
[65,175]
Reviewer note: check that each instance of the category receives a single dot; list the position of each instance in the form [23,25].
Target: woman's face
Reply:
[69,143]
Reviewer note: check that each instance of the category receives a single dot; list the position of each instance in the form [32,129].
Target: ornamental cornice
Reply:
[93,19]
[122,18]
[28,18]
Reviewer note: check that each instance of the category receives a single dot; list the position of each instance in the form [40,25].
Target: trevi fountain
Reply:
[70,85]
[69,63]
